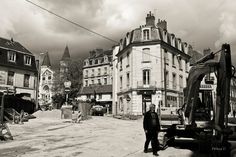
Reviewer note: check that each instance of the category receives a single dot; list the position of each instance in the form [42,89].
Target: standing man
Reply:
[151,128]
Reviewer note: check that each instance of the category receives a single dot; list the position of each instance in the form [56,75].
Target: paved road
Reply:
[96,137]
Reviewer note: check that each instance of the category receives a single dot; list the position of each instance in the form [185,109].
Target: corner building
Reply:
[147,61]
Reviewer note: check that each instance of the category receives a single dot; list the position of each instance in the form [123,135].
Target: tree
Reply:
[73,74]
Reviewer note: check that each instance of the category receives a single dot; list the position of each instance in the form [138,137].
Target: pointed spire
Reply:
[46,60]
[66,54]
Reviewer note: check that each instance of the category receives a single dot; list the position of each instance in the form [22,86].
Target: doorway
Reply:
[146,102]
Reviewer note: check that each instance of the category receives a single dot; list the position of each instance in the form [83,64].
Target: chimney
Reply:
[150,19]
[12,40]
[162,24]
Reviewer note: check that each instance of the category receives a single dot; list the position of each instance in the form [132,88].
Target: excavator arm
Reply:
[221,65]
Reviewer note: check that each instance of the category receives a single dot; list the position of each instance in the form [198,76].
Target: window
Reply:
[26,80]
[180,82]
[86,73]
[121,63]
[167,79]
[166,57]
[186,66]
[174,81]
[99,71]
[146,34]
[180,63]
[96,61]
[84,62]
[92,81]
[146,77]
[127,77]
[99,81]
[146,55]
[173,60]
[102,60]
[121,82]
[90,62]
[128,60]
[105,70]
[10,78]
[86,83]
[11,56]
[92,72]
[27,60]
[49,77]
[43,78]
[105,80]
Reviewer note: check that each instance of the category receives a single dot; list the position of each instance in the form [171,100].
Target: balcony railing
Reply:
[142,85]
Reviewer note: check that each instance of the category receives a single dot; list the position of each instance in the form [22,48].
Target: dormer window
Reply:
[11,56]
[146,35]
[27,60]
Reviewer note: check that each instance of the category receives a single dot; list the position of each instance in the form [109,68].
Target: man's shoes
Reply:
[145,151]
[155,154]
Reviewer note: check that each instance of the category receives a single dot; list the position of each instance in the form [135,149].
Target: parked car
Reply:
[97,110]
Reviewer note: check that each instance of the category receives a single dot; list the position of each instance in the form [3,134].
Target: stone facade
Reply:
[138,70]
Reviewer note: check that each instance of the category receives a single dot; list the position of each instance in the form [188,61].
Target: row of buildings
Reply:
[148,61]
[149,65]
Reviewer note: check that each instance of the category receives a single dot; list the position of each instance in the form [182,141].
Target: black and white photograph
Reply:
[117,78]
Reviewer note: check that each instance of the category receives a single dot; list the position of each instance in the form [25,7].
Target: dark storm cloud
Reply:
[204,24]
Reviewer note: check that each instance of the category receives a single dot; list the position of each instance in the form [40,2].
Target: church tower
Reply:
[64,63]
[46,81]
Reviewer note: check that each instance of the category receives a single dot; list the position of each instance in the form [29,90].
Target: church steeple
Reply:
[66,55]
[46,60]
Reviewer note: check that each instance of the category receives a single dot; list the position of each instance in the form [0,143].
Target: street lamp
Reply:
[66,109]
[67,85]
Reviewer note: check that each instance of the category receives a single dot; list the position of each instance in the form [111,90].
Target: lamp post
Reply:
[66,109]
[67,85]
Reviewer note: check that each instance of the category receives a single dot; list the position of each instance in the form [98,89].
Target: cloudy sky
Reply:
[204,24]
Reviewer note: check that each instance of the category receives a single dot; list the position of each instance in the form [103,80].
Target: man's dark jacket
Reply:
[147,122]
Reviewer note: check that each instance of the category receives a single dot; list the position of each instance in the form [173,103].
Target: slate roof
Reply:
[99,89]
[66,54]
[10,45]
[46,60]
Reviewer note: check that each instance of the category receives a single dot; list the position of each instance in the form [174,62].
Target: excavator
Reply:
[205,119]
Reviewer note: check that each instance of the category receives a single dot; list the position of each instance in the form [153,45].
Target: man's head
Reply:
[152,107]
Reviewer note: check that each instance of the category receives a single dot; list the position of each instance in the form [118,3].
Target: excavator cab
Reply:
[204,106]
